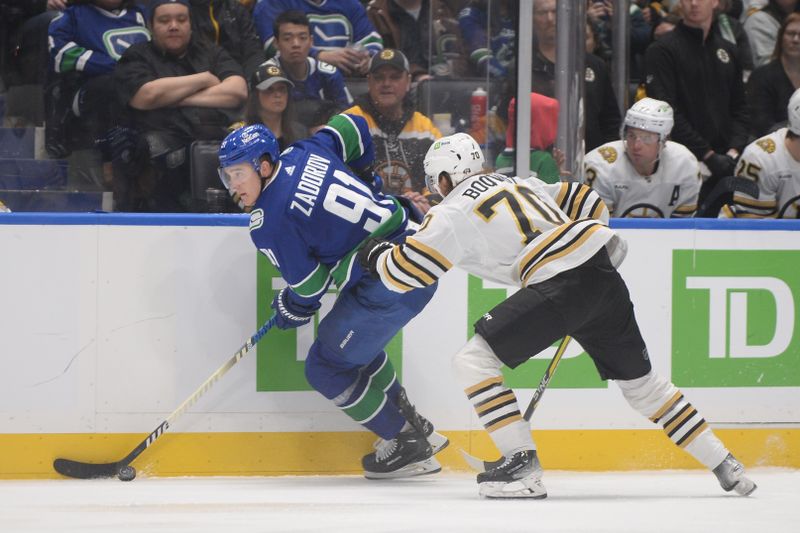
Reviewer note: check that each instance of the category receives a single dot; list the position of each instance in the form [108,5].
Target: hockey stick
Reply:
[80,470]
[480,465]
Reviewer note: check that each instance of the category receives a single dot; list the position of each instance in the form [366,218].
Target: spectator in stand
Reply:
[762,27]
[270,104]
[600,106]
[401,135]
[229,24]
[644,175]
[770,86]
[314,81]
[86,41]
[342,33]
[544,127]
[493,54]
[600,12]
[23,40]
[426,31]
[178,89]
[749,7]
[773,163]
[730,29]
[698,73]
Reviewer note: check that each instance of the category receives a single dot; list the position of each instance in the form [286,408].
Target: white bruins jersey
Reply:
[508,230]
[671,192]
[777,174]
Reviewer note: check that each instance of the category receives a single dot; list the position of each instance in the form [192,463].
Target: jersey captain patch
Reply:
[766,144]
[609,153]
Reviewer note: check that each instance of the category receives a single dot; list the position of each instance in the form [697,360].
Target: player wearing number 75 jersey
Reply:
[308,213]
[552,241]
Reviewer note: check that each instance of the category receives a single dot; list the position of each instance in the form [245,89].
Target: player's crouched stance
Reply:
[308,213]
[553,242]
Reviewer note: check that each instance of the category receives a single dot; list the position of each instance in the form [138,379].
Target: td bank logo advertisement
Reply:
[281,360]
[734,318]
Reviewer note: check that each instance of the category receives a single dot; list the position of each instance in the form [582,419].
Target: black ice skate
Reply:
[408,454]
[730,474]
[520,476]
[437,441]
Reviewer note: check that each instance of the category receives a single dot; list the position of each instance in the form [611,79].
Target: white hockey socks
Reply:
[477,369]
[661,402]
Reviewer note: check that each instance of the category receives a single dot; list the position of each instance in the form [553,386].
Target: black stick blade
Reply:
[79,470]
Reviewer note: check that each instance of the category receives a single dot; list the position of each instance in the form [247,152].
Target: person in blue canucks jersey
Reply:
[314,81]
[85,42]
[309,211]
[499,57]
[343,34]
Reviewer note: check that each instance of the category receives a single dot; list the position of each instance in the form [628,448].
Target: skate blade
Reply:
[745,487]
[515,489]
[420,468]
[438,442]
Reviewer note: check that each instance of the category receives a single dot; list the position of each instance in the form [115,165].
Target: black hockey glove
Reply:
[291,315]
[368,254]
[414,214]
[720,165]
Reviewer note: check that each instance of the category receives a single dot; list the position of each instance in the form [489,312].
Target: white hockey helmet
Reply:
[794,113]
[649,114]
[459,155]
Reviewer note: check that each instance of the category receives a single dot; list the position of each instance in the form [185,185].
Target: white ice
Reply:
[671,501]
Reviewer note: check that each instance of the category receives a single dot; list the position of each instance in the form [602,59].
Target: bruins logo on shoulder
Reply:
[609,153]
[766,144]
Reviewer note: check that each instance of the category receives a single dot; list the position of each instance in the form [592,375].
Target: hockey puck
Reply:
[126,473]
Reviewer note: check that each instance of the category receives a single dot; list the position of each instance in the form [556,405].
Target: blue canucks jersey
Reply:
[495,55]
[323,82]
[86,38]
[334,24]
[314,212]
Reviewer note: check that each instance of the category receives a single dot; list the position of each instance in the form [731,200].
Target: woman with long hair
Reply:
[270,104]
[770,86]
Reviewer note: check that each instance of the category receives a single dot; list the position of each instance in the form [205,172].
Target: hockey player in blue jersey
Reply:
[85,42]
[343,34]
[308,214]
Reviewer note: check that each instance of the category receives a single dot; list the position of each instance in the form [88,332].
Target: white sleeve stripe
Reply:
[343,153]
[60,55]
[82,60]
[358,134]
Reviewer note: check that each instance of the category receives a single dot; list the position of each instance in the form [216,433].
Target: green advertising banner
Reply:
[280,364]
[734,320]
[573,372]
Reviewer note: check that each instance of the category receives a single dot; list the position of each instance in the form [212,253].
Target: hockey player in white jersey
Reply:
[644,175]
[773,163]
[552,241]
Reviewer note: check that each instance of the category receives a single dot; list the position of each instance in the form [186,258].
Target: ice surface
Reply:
[668,501]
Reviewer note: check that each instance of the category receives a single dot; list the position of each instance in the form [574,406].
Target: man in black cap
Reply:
[401,134]
[177,90]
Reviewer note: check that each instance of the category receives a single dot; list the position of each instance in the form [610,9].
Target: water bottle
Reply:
[477,114]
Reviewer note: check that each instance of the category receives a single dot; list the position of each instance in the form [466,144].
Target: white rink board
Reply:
[108,328]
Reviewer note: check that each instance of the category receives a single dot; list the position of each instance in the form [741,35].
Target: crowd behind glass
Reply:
[121,104]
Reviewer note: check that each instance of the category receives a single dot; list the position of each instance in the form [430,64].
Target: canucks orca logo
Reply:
[331,31]
[120,39]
